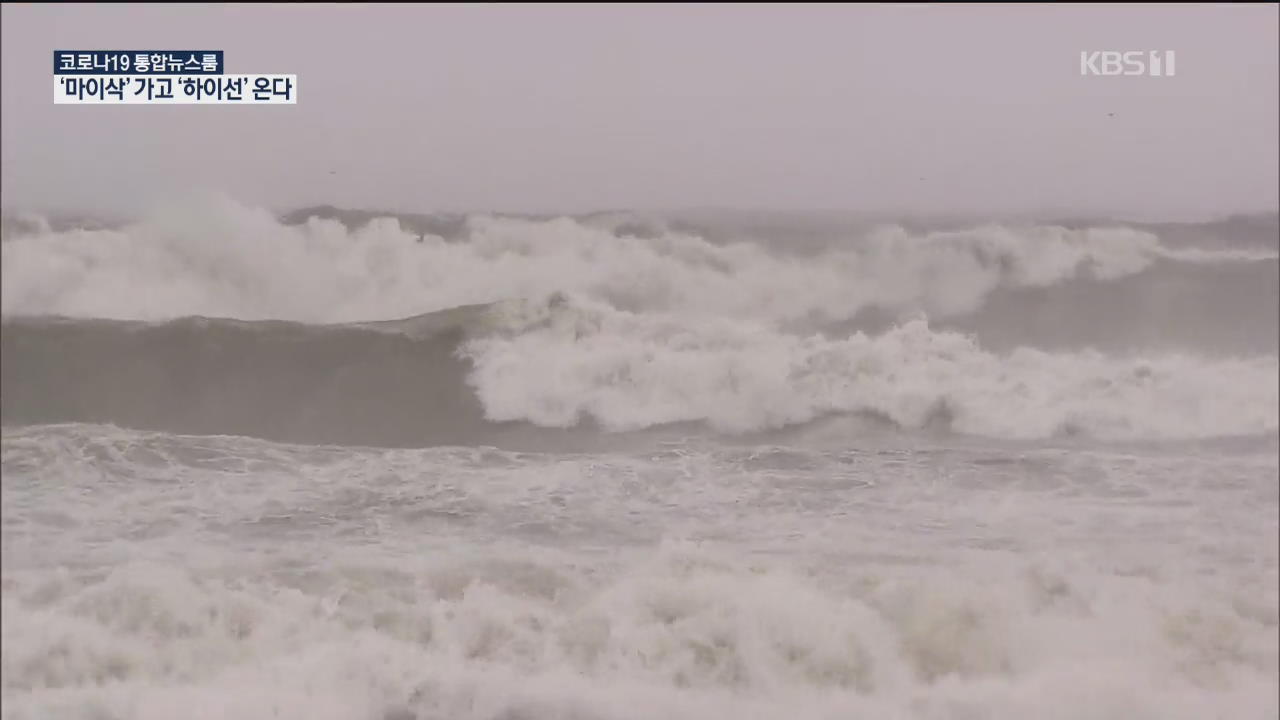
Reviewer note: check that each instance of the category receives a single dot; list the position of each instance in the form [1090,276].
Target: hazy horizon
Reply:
[911,110]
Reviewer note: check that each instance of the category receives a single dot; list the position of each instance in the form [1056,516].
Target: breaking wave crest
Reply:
[629,371]
[679,637]
[567,363]
[221,259]
[645,328]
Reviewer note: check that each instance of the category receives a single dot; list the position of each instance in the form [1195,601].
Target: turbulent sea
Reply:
[362,466]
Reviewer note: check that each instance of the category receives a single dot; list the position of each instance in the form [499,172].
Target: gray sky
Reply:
[913,108]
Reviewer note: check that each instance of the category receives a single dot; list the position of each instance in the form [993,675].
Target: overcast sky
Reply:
[912,108]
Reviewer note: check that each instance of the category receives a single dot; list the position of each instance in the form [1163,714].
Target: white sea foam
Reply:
[150,576]
[626,371]
[218,258]
[668,638]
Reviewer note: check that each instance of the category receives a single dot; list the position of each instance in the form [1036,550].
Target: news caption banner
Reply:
[162,77]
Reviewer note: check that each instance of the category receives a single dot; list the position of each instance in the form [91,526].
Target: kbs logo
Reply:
[1153,63]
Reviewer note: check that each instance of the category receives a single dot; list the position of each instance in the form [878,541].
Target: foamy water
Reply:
[148,575]
[218,258]
[999,471]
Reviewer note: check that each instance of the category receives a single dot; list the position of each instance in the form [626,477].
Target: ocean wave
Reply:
[219,258]
[628,371]
[680,634]
[151,575]
[482,373]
